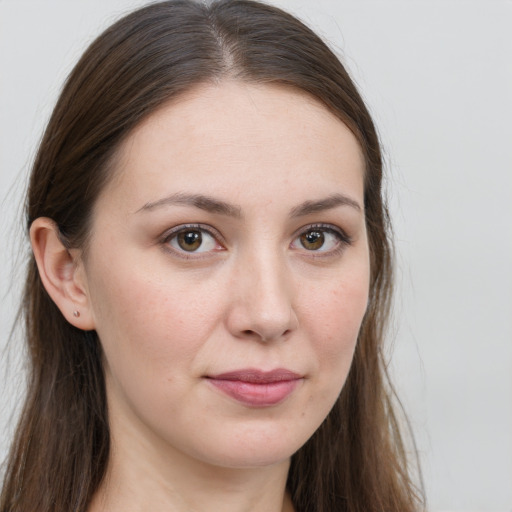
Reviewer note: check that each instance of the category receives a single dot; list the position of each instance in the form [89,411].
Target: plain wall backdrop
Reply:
[437,76]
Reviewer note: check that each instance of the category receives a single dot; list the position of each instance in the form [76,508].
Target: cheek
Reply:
[153,330]
[145,320]
[335,318]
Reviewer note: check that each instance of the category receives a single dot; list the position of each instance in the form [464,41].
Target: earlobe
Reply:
[61,272]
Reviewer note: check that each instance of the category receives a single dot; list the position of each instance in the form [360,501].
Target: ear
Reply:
[62,273]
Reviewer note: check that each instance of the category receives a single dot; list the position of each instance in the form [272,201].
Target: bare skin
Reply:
[231,239]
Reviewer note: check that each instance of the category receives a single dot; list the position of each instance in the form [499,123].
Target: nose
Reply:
[262,305]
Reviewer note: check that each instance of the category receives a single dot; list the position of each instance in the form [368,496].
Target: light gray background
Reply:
[437,76]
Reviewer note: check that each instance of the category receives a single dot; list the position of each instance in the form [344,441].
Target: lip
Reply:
[257,388]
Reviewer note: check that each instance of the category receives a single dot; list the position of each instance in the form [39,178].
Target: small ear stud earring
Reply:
[76,313]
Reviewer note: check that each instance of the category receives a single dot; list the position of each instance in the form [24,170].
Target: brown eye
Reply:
[193,240]
[321,239]
[190,240]
[312,240]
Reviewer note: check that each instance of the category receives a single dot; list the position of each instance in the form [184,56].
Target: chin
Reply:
[249,458]
[253,448]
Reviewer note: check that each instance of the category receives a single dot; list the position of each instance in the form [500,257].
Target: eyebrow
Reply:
[200,201]
[213,205]
[332,201]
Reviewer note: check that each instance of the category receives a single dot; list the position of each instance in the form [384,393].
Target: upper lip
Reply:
[255,376]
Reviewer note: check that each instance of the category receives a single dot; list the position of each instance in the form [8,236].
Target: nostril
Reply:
[261,324]
[249,333]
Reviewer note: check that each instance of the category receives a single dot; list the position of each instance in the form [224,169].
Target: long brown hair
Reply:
[356,460]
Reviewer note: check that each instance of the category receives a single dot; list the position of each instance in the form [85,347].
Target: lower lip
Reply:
[253,394]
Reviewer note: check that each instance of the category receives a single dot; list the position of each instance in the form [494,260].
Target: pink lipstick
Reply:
[257,388]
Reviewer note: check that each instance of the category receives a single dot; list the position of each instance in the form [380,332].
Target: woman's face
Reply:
[227,274]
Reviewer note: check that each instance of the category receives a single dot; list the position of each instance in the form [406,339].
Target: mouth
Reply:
[256,388]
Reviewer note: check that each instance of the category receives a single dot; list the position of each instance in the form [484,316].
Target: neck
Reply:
[230,490]
[145,476]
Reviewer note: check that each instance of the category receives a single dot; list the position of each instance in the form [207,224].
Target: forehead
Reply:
[238,139]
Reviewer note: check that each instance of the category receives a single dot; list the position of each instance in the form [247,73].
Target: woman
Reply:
[211,276]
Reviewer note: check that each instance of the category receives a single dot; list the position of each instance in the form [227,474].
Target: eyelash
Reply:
[183,228]
[342,238]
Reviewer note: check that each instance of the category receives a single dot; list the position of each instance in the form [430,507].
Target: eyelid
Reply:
[171,233]
[344,239]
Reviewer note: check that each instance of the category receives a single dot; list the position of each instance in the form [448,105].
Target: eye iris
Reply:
[190,240]
[312,240]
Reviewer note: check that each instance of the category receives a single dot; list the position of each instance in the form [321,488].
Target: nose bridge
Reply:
[270,281]
[264,299]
